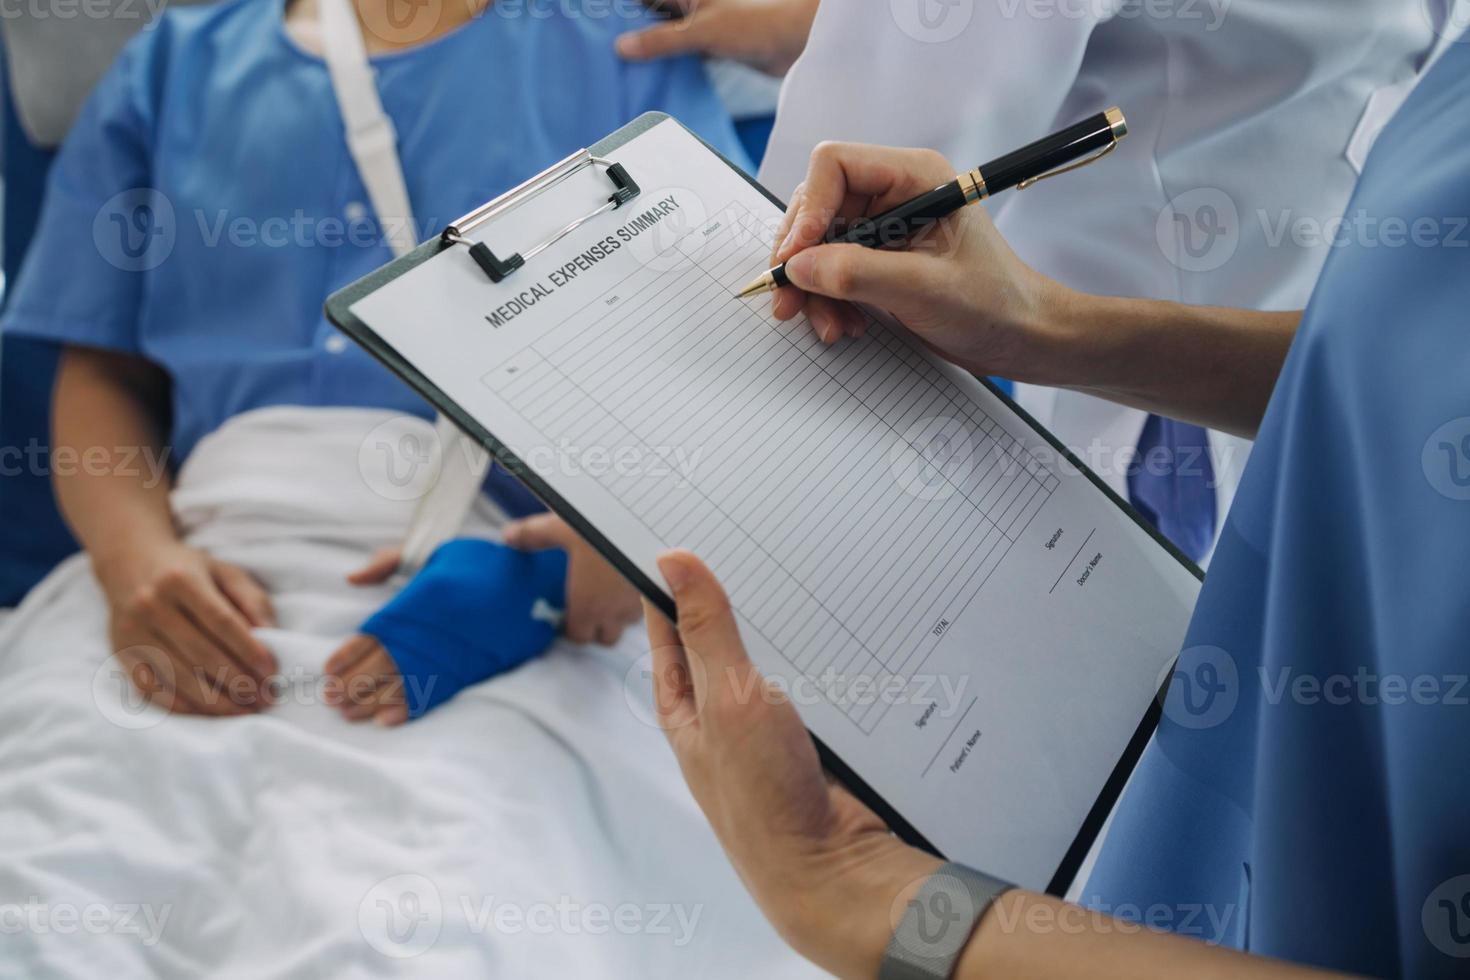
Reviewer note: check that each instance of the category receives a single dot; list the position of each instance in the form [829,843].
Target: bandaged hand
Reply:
[475,610]
[600,602]
[180,624]
[764,34]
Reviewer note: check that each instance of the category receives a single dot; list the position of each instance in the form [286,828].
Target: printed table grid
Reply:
[864,533]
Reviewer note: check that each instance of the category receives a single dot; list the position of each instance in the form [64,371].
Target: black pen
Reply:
[1047,157]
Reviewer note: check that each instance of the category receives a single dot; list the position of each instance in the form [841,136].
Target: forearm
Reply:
[107,419]
[1023,936]
[1208,365]
[1026,936]
[968,296]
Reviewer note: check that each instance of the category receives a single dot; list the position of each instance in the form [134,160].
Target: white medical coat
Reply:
[1248,120]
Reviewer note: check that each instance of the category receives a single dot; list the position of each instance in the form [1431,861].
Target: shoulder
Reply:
[185,41]
[181,29]
[587,27]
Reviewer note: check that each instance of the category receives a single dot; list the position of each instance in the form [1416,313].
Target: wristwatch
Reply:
[937,923]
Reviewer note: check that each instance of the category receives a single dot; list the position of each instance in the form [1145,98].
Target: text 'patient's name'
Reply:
[970,743]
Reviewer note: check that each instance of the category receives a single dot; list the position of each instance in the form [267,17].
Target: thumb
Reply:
[706,623]
[537,533]
[682,36]
[380,567]
[884,278]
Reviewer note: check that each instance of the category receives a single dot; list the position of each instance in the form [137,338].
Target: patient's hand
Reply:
[765,34]
[380,567]
[600,602]
[361,678]
[476,610]
[180,624]
[363,681]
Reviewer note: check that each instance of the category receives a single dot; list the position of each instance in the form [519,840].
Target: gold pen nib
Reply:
[765,284]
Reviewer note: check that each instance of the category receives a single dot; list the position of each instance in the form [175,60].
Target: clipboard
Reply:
[509,258]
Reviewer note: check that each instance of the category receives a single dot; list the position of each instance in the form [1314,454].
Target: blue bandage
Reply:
[475,610]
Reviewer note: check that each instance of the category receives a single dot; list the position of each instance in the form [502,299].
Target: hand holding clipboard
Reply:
[891,531]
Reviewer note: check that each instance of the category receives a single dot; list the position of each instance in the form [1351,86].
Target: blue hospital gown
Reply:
[1308,792]
[205,204]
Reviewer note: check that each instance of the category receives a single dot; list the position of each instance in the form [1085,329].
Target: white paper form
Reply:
[966,620]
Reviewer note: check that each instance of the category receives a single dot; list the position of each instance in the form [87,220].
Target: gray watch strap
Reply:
[938,922]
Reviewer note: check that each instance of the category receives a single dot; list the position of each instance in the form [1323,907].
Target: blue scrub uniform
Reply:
[1307,795]
[205,203]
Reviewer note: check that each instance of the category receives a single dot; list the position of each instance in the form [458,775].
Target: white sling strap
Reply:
[373,143]
[371,138]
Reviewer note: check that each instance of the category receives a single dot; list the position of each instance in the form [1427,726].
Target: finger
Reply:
[706,623]
[204,674]
[844,319]
[370,684]
[813,222]
[830,321]
[608,633]
[154,674]
[686,35]
[145,671]
[863,275]
[538,532]
[350,654]
[838,172]
[183,695]
[787,303]
[787,220]
[387,694]
[360,709]
[390,693]
[361,687]
[380,567]
[175,700]
[343,659]
[673,688]
[241,588]
[223,622]
[391,716]
[826,317]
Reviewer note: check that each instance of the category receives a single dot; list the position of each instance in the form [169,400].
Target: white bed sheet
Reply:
[534,826]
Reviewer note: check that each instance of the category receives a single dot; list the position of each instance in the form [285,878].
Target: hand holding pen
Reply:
[858,206]
[937,292]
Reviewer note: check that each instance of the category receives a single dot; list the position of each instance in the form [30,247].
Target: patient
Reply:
[203,207]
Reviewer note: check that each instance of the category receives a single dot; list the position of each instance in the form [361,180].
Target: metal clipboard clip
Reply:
[624,190]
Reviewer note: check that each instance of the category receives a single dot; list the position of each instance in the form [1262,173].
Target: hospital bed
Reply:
[534,826]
